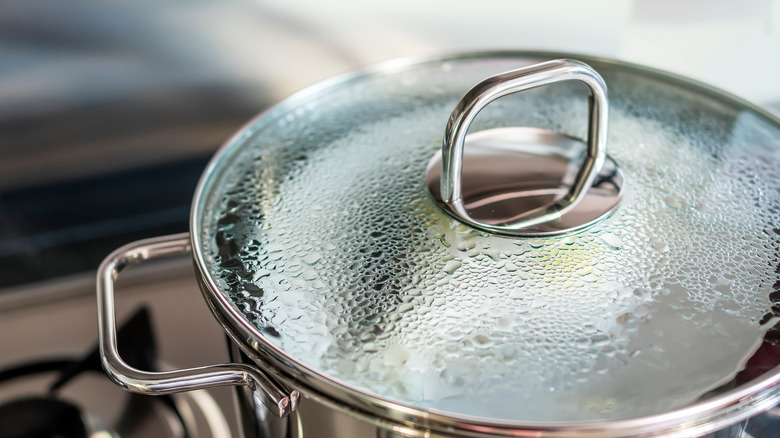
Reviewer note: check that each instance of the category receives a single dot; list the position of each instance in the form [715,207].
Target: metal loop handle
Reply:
[511,82]
[167,382]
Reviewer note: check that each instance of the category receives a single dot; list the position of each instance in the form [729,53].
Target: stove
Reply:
[51,380]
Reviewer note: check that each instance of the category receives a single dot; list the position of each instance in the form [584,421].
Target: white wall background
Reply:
[49,48]
[731,44]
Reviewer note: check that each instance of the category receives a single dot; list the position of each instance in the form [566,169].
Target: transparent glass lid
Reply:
[317,225]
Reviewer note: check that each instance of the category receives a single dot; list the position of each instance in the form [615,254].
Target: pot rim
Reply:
[702,417]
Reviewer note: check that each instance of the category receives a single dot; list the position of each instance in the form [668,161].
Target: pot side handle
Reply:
[167,382]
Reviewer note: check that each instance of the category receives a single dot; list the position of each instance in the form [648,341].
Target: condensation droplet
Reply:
[612,240]
[451,266]
[661,247]
[311,258]
[672,202]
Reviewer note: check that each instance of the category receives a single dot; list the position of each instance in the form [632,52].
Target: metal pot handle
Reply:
[281,401]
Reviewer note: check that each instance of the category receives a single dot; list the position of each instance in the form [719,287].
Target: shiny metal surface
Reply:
[510,173]
[513,82]
[696,420]
[167,382]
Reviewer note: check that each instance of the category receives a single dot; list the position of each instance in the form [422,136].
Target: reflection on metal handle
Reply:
[512,82]
[166,382]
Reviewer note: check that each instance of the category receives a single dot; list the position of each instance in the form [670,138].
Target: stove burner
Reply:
[40,417]
[72,398]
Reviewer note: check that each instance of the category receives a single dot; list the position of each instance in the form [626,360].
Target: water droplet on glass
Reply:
[451,266]
[311,258]
[465,245]
[661,247]
[482,341]
[672,202]
[309,274]
[612,240]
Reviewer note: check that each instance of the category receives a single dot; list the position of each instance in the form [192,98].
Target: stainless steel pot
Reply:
[541,190]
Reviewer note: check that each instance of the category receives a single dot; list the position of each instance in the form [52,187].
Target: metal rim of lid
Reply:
[700,418]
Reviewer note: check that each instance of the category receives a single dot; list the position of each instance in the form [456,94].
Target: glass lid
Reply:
[318,226]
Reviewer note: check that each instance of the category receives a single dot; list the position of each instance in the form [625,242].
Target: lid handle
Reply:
[508,83]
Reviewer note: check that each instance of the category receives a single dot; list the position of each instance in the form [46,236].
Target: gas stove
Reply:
[51,380]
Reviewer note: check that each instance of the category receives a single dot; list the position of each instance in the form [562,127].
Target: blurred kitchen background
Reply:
[110,110]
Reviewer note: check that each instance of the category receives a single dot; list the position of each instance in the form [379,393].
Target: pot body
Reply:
[314,418]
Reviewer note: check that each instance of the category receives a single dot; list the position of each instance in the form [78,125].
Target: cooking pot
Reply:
[443,247]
